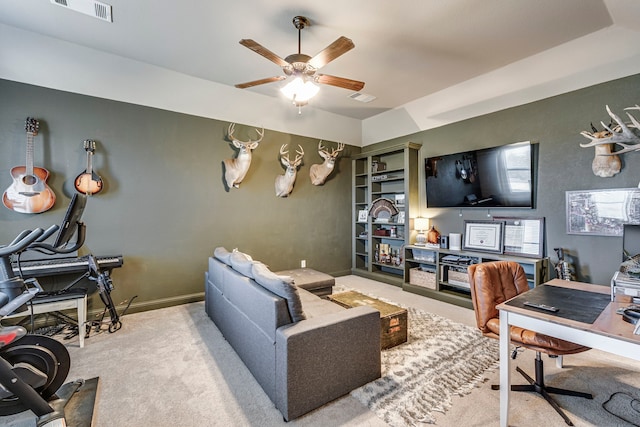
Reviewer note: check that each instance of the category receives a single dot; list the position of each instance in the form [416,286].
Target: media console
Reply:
[442,273]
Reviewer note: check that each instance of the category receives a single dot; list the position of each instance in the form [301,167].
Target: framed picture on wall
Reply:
[483,236]
[602,212]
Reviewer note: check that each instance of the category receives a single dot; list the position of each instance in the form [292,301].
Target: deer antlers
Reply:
[251,143]
[284,183]
[284,157]
[624,135]
[334,151]
[236,169]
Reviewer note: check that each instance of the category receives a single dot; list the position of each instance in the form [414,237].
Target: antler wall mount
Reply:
[606,162]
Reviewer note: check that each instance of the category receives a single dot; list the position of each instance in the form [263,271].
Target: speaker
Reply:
[444,242]
[455,241]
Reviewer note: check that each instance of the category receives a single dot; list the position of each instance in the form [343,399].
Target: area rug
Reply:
[440,359]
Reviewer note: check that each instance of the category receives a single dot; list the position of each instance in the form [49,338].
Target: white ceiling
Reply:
[405,51]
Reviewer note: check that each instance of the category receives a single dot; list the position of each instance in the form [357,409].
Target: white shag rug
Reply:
[440,359]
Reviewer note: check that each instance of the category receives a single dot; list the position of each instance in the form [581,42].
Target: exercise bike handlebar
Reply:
[18,301]
[49,249]
[21,242]
[47,233]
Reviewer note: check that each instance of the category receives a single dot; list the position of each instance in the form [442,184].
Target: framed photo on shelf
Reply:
[523,236]
[483,236]
[400,217]
[362,215]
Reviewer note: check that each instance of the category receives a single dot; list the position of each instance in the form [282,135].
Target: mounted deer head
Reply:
[320,172]
[236,169]
[607,162]
[284,183]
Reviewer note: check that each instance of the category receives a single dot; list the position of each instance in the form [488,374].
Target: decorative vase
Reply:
[433,236]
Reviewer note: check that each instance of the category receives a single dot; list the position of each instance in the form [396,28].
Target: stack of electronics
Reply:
[453,269]
[460,260]
[625,285]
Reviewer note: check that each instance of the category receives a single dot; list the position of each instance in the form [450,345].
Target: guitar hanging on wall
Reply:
[29,192]
[89,182]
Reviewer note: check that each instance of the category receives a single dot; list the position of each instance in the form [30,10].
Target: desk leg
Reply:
[505,369]
[82,319]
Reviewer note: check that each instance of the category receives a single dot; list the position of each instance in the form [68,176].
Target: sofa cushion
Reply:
[281,286]
[222,254]
[313,306]
[317,282]
[242,263]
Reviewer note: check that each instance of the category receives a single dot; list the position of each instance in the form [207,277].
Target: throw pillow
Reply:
[247,255]
[241,263]
[281,286]
[222,254]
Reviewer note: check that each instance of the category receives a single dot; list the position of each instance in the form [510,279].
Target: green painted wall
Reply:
[555,124]
[165,206]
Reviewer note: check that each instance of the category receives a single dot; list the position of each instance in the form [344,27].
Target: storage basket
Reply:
[419,277]
[460,278]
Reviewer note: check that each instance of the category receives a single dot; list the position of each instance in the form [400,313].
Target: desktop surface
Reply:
[574,304]
[607,333]
[608,322]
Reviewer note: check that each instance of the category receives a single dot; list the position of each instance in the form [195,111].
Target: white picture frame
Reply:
[523,236]
[362,215]
[483,236]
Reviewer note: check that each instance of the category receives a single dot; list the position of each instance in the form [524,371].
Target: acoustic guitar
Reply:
[89,182]
[29,192]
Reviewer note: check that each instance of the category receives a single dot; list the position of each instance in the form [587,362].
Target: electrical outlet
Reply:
[303,263]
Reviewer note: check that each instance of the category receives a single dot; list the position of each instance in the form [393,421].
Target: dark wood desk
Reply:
[607,333]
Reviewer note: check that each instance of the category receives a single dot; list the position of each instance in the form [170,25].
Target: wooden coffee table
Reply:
[393,319]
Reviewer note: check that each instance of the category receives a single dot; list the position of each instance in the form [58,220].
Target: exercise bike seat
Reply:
[9,334]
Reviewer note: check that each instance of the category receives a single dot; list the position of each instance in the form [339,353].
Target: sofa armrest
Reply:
[322,358]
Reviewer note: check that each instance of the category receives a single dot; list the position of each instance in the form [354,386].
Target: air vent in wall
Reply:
[88,7]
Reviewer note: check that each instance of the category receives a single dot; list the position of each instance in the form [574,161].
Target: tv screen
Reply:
[487,178]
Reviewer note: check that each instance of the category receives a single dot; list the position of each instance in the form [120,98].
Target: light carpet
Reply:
[172,367]
[440,359]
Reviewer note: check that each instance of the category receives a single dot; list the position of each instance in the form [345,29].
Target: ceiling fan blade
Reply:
[339,82]
[331,52]
[260,82]
[261,50]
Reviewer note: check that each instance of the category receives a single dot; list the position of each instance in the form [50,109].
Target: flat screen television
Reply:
[501,176]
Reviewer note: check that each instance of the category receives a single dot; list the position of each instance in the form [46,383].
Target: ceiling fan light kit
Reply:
[302,68]
[300,91]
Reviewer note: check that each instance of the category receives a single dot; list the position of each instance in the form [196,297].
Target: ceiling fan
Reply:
[304,66]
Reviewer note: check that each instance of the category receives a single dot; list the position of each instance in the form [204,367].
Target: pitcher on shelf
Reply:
[433,236]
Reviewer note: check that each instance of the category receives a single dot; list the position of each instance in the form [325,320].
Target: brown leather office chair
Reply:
[495,282]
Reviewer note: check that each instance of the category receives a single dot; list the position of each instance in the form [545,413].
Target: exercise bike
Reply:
[33,368]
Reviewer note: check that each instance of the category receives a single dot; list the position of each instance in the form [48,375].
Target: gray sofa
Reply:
[304,351]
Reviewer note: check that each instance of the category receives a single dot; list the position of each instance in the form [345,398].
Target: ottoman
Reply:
[316,282]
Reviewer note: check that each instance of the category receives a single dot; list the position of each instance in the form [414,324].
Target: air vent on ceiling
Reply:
[88,7]
[362,97]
